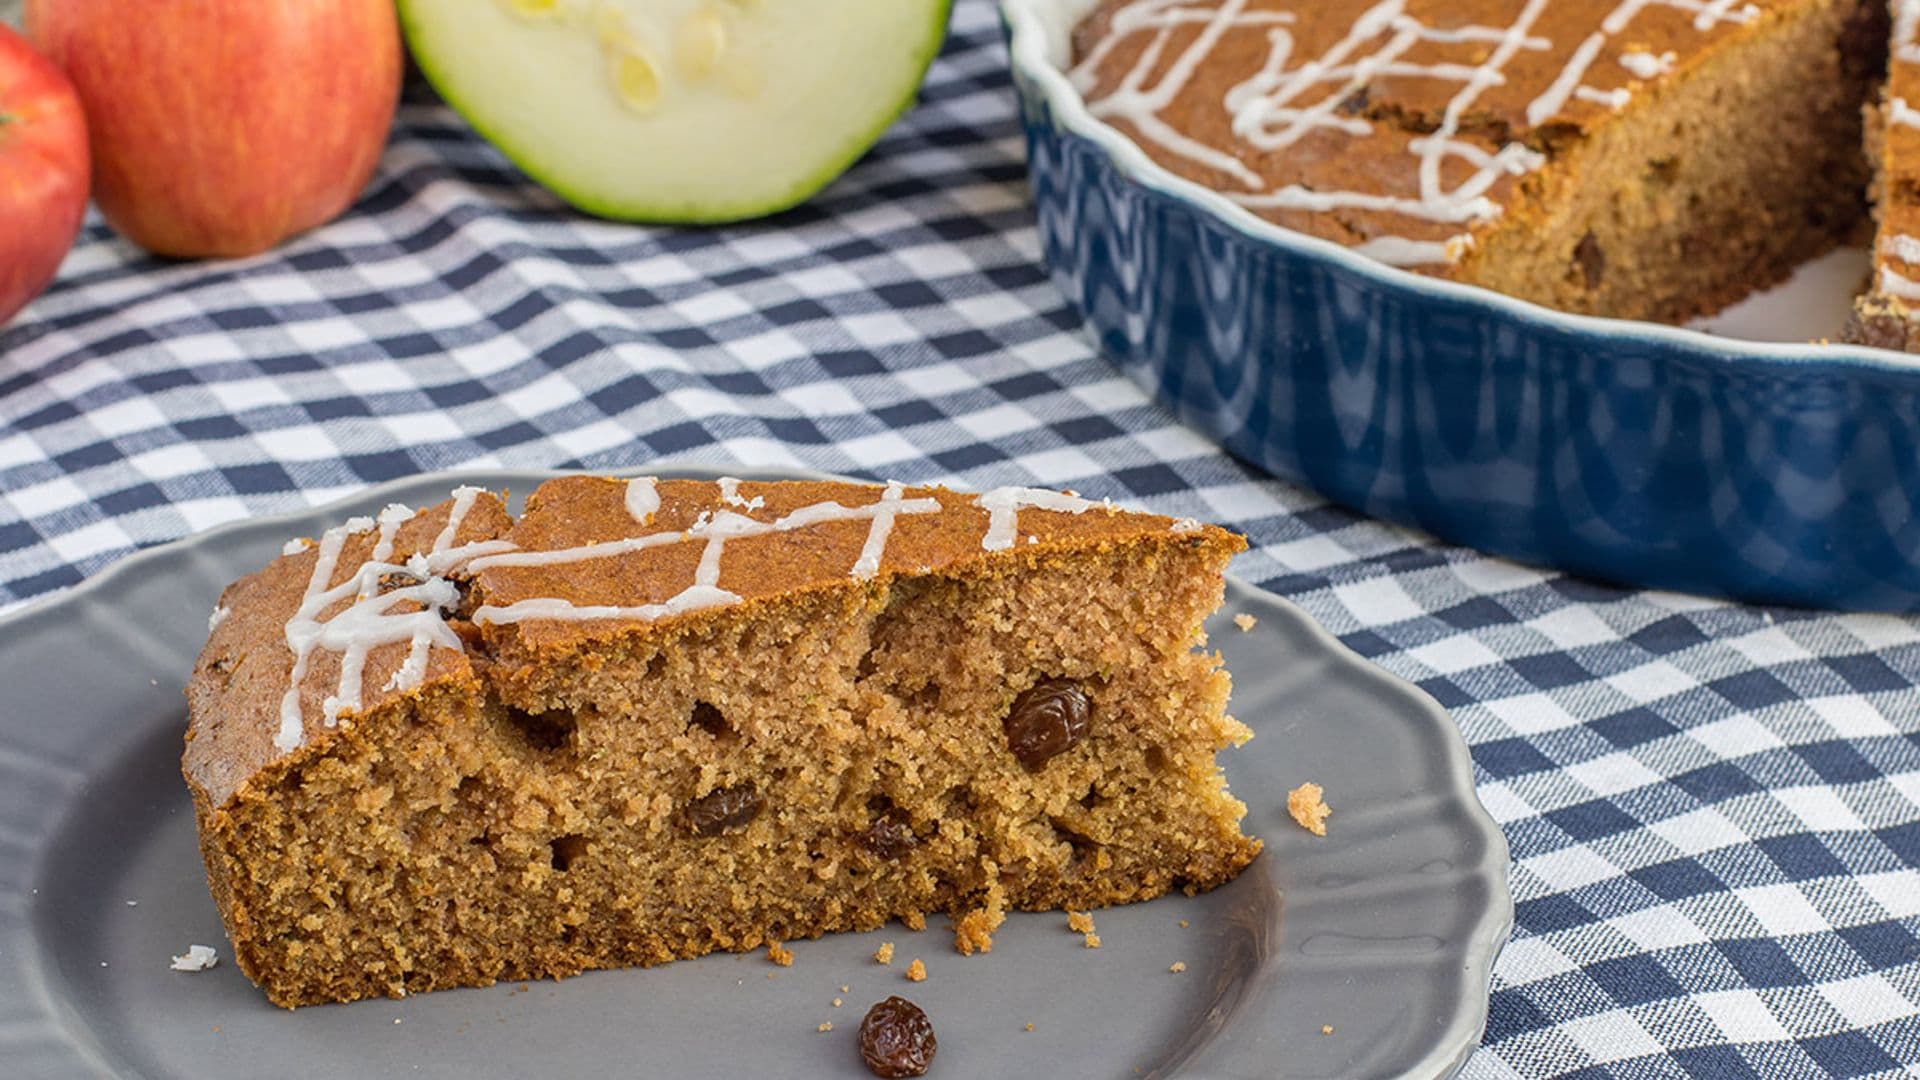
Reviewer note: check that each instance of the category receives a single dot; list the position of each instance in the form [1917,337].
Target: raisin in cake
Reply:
[653,719]
[1649,159]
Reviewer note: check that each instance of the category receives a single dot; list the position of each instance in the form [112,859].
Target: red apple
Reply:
[43,171]
[221,127]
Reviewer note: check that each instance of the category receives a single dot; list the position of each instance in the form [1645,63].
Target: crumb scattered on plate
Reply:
[1092,940]
[779,954]
[916,971]
[973,932]
[884,953]
[828,1026]
[836,1003]
[1326,1029]
[1183,924]
[1177,966]
[1308,808]
[1244,621]
[1029,1025]
[196,958]
[1079,922]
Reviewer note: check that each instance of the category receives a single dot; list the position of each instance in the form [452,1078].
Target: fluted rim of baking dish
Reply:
[1029,45]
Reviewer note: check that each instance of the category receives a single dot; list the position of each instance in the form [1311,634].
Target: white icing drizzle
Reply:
[463,497]
[1899,112]
[730,494]
[295,546]
[1003,506]
[1902,247]
[1906,31]
[1400,251]
[643,498]
[715,529]
[1284,101]
[1645,66]
[868,564]
[1615,100]
[1894,283]
[1185,525]
[369,619]
[214,620]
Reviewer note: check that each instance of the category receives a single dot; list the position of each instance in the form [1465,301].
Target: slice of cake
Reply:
[653,719]
[1888,314]
[1647,159]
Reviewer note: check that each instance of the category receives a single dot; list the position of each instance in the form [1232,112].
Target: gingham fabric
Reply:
[1714,810]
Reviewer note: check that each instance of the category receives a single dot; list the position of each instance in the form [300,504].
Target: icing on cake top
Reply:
[1396,126]
[573,565]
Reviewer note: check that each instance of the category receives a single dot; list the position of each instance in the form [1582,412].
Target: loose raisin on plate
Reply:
[723,808]
[1047,719]
[896,1039]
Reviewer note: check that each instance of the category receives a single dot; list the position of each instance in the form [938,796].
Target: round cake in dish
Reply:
[1642,159]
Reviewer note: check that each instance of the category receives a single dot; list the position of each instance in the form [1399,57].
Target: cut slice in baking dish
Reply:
[678,110]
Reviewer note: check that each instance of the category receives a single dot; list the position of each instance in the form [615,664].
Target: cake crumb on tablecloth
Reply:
[916,971]
[1308,808]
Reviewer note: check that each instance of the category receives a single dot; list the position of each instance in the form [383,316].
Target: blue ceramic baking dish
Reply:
[1625,451]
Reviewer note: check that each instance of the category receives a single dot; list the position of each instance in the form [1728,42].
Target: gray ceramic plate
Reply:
[1386,930]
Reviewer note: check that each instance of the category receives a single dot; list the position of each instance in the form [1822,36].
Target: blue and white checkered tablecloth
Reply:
[1714,810]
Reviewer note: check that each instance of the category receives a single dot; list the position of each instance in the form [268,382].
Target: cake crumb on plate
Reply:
[1079,922]
[196,958]
[779,954]
[884,953]
[1177,966]
[916,971]
[1244,621]
[1326,1029]
[828,1026]
[1308,808]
